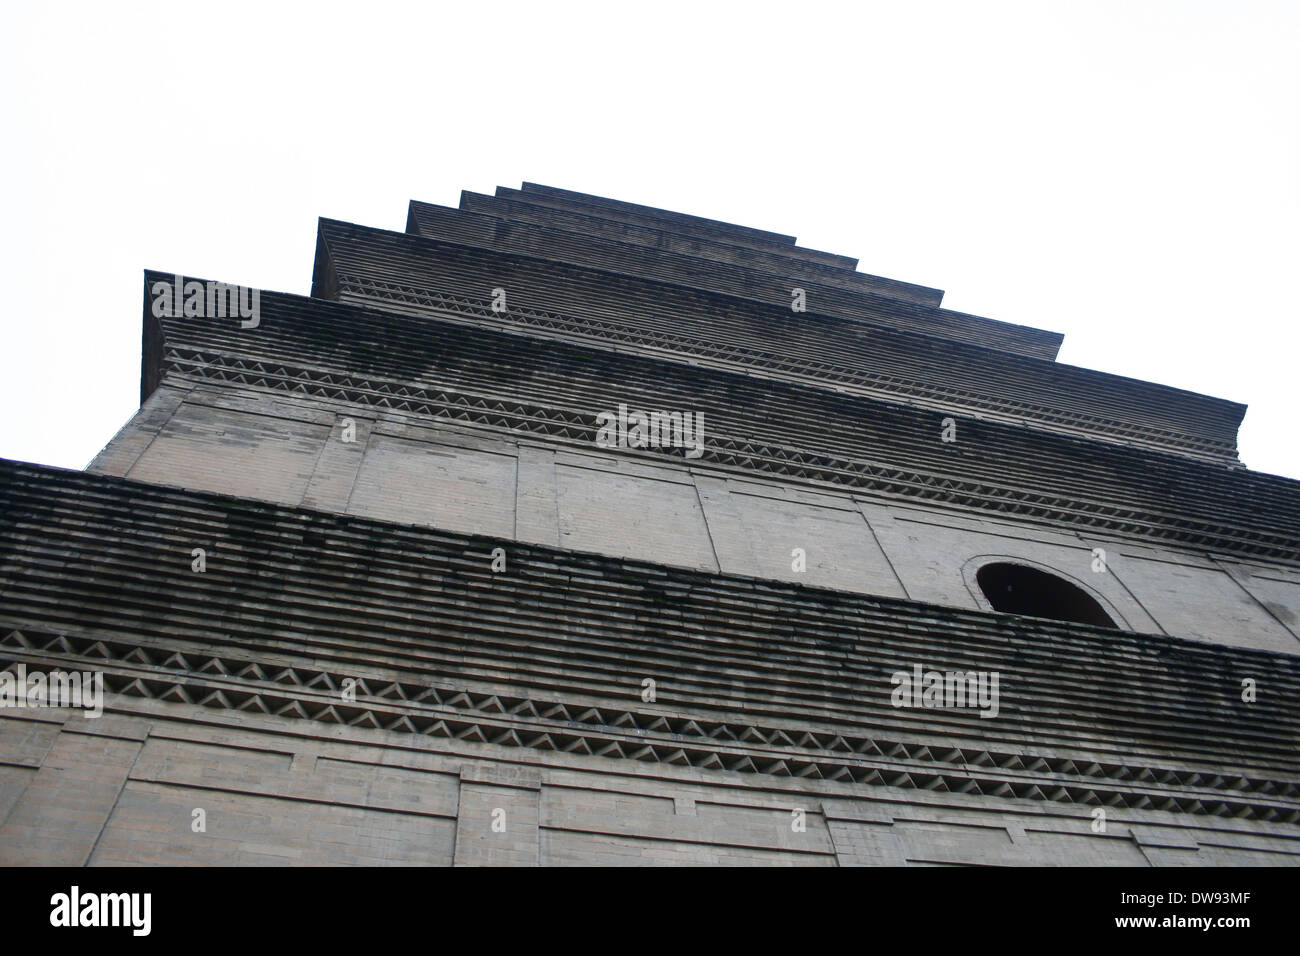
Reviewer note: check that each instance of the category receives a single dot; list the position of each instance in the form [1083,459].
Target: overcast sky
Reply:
[1124,173]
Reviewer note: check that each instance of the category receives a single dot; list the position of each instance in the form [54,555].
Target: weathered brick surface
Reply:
[497,826]
[59,816]
[362,800]
[684,514]
[353,679]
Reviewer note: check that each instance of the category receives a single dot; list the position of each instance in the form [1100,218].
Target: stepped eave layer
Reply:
[362,574]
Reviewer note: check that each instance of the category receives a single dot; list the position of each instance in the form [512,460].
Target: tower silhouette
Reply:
[558,529]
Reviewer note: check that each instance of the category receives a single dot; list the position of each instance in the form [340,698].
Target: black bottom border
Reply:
[334,905]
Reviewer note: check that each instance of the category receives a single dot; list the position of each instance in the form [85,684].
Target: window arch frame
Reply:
[973,566]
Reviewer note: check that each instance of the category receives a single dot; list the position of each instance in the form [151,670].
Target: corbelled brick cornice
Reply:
[464,372]
[753,676]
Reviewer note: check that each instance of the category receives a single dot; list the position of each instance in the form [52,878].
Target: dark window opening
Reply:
[1017,589]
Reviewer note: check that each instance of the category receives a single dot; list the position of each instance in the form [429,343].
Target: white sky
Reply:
[1124,173]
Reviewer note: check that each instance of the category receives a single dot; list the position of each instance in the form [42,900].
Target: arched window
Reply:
[1019,589]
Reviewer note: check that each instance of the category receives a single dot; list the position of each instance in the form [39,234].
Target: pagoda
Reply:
[557,530]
